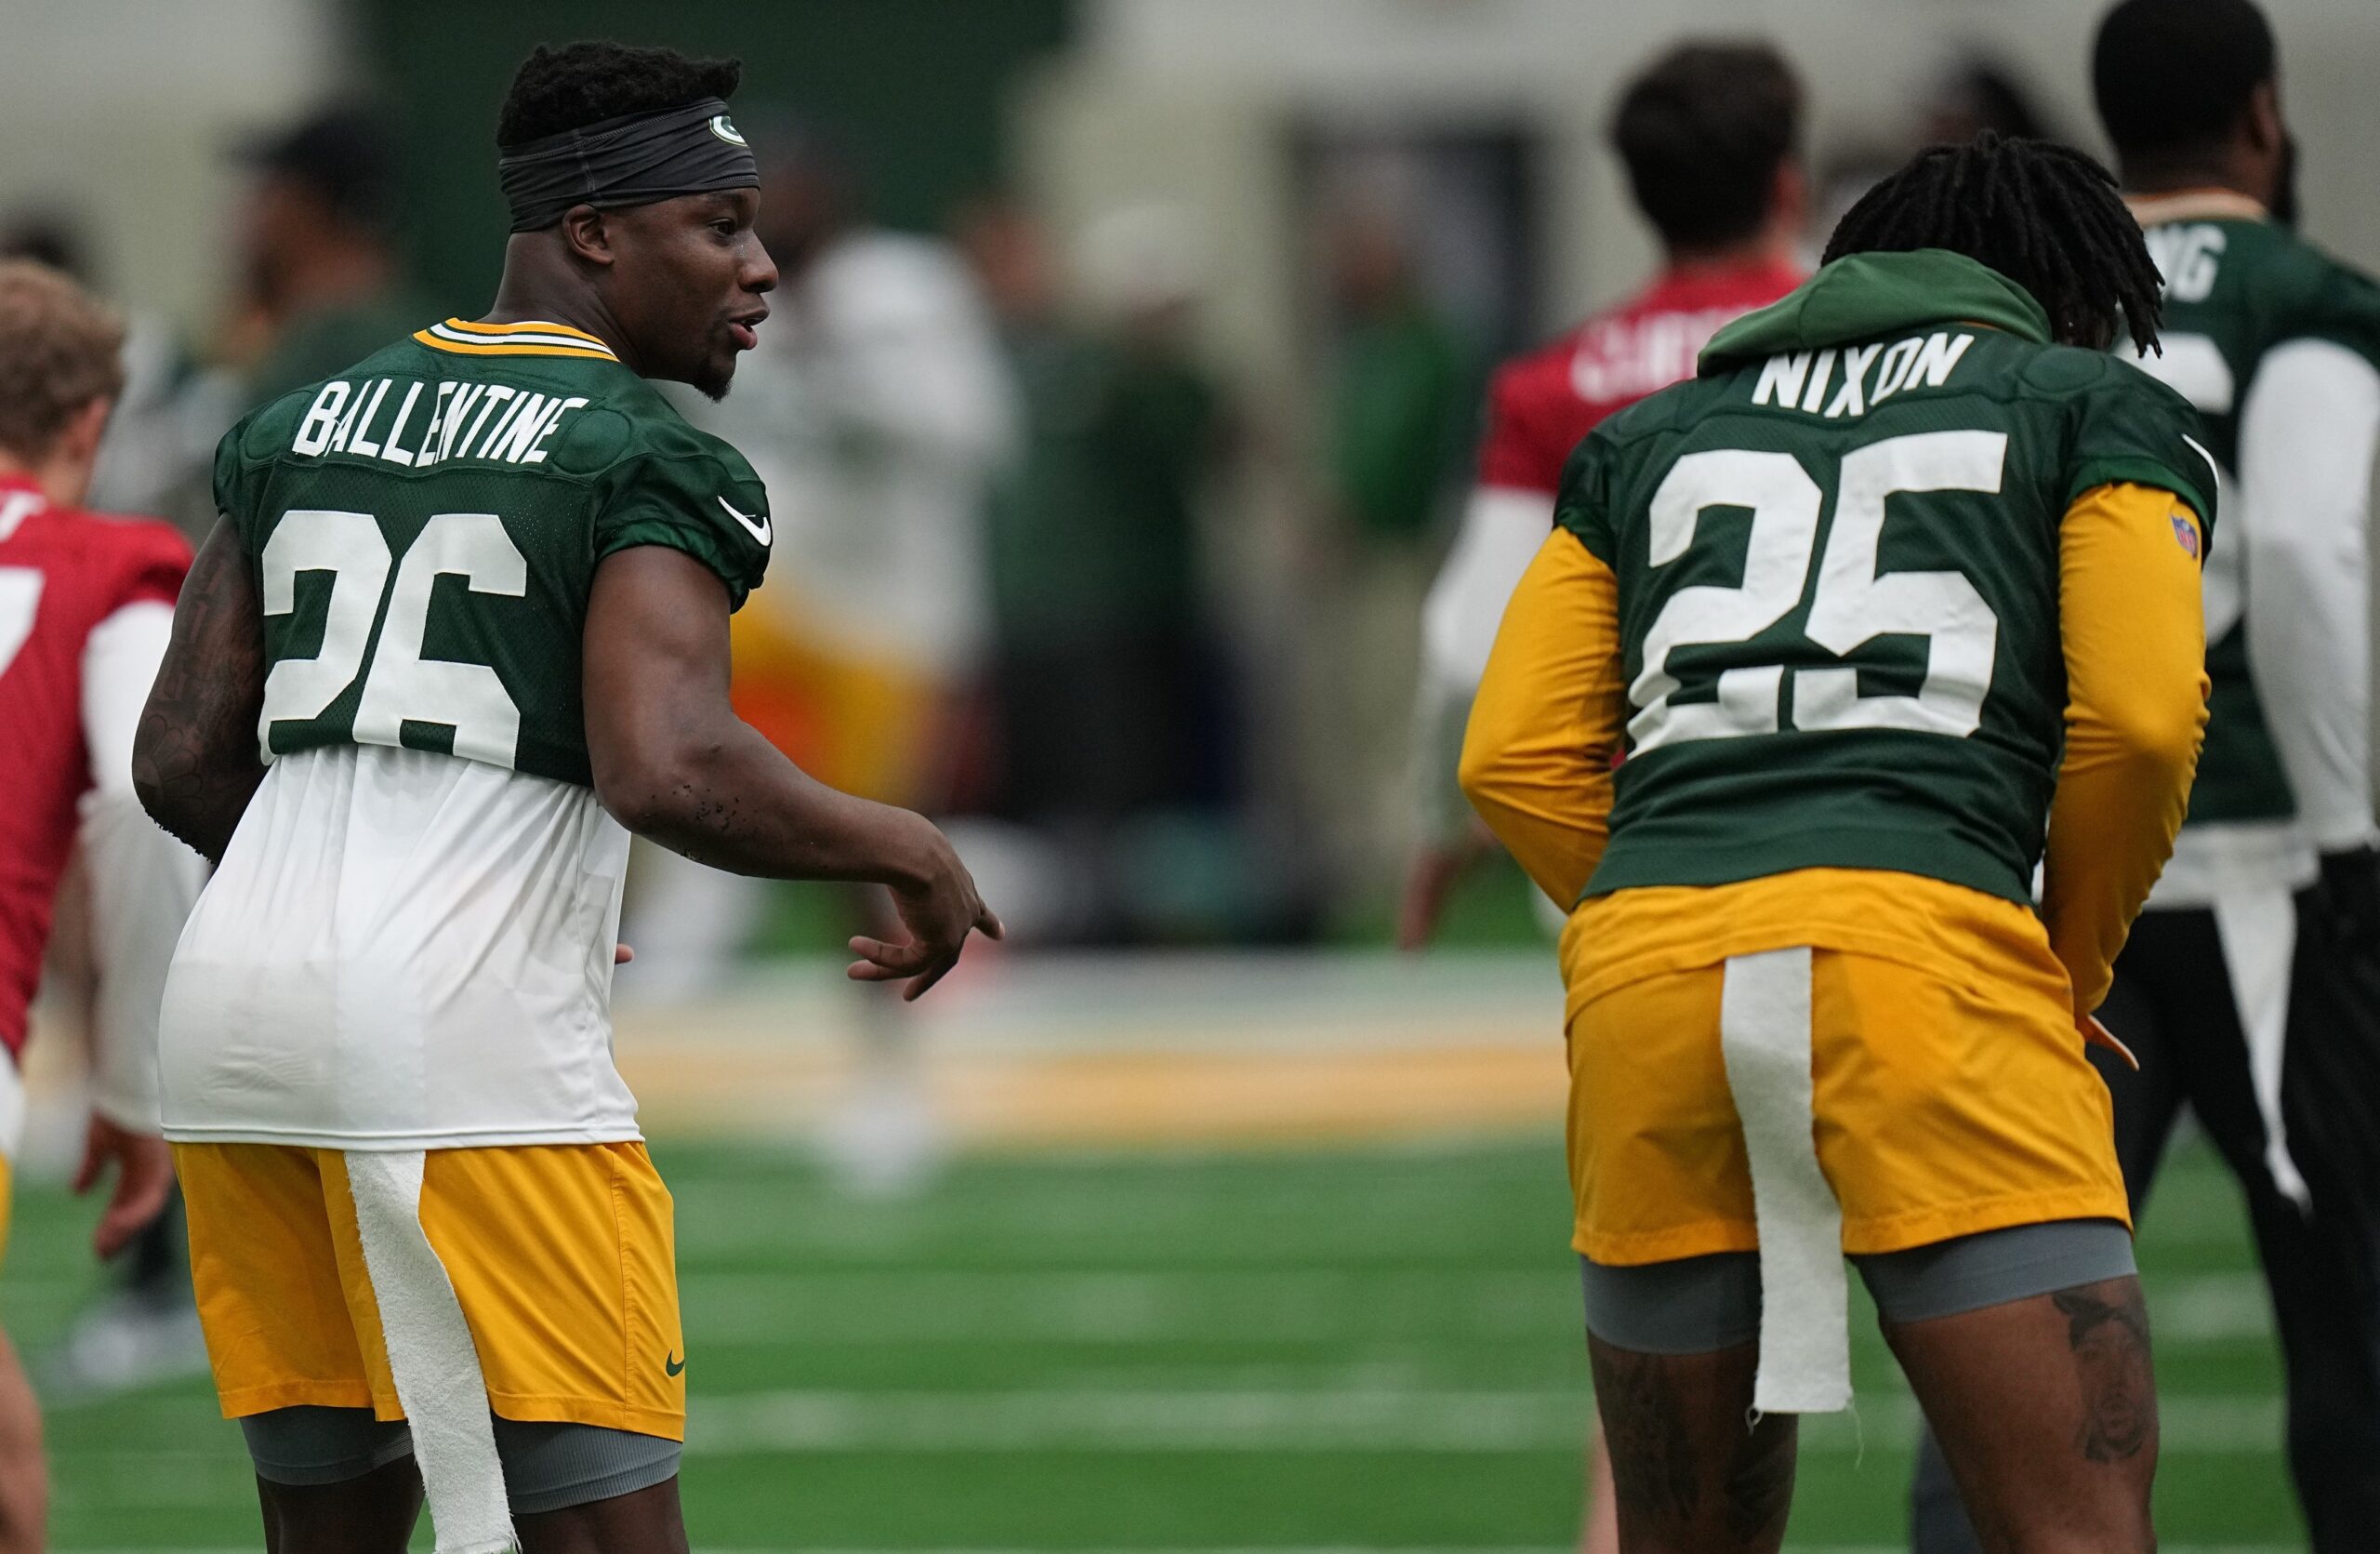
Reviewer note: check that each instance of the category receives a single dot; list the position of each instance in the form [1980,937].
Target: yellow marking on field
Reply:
[1146,1096]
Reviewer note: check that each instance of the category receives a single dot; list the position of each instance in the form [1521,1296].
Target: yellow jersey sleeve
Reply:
[1546,724]
[2134,638]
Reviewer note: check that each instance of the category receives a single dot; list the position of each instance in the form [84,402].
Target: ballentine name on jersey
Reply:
[1799,381]
[490,422]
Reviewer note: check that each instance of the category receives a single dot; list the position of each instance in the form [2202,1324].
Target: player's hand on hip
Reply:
[938,912]
[144,1173]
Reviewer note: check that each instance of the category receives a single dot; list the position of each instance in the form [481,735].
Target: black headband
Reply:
[635,159]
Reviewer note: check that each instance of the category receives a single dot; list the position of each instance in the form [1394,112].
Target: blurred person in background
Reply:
[1711,135]
[1978,93]
[876,409]
[1970,93]
[153,457]
[321,287]
[2249,991]
[1402,379]
[159,445]
[322,282]
[86,605]
[1109,706]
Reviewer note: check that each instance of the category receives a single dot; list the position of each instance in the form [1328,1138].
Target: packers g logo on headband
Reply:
[725,129]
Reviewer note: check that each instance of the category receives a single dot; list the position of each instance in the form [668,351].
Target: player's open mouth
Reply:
[746,331]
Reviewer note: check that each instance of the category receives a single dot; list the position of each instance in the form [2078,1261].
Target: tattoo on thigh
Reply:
[2107,1330]
[1760,1483]
[1652,1455]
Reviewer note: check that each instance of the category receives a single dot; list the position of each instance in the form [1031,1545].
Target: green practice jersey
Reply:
[2237,287]
[426,527]
[1837,551]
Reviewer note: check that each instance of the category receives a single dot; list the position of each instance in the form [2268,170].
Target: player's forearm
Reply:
[2134,637]
[194,762]
[727,798]
[1537,757]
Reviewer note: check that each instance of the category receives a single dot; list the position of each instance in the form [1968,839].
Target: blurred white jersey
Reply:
[402,951]
[875,409]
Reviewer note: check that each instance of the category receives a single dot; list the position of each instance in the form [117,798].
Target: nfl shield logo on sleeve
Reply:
[2186,532]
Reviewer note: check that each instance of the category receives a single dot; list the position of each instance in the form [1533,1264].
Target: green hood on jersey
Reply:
[1860,296]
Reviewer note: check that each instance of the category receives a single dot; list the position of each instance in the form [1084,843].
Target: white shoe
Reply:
[126,1342]
[884,1141]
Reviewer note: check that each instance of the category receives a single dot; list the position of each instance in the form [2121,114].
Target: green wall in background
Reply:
[916,87]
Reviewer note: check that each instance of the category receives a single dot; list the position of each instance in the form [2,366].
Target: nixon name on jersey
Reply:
[1799,379]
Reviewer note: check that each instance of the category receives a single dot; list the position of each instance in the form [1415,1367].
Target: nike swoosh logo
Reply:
[673,1364]
[760,530]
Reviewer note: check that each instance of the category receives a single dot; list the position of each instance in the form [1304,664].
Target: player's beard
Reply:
[714,382]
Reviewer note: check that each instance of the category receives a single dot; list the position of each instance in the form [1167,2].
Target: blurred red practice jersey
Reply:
[63,575]
[1543,403]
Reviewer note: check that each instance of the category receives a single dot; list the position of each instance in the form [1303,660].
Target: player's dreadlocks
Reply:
[2046,216]
[581,84]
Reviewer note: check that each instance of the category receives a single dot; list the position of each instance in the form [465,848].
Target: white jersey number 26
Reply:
[1851,603]
[400,686]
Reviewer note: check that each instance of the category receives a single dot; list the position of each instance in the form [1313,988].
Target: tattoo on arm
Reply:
[2107,1330]
[194,760]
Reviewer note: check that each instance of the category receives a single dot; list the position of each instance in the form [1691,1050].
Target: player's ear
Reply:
[75,450]
[2260,121]
[80,441]
[587,235]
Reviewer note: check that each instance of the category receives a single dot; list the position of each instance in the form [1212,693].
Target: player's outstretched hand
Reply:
[938,914]
[144,1173]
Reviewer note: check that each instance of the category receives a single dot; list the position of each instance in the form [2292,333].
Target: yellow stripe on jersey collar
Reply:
[467,339]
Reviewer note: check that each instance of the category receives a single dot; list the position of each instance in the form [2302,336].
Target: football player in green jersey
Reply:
[1893,603]
[462,627]
[2250,990]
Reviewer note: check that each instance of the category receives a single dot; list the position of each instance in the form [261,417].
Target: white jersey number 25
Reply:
[400,686]
[1851,603]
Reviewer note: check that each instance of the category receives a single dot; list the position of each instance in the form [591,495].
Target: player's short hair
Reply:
[2175,75]
[60,350]
[1703,132]
[2046,216]
[580,84]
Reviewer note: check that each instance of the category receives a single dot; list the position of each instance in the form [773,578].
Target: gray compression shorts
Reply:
[546,1467]
[1696,1305]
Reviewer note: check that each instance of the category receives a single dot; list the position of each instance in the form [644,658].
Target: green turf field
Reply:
[1340,1350]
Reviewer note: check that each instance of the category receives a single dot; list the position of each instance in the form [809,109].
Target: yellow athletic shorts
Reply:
[1949,1090]
[561,1257]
